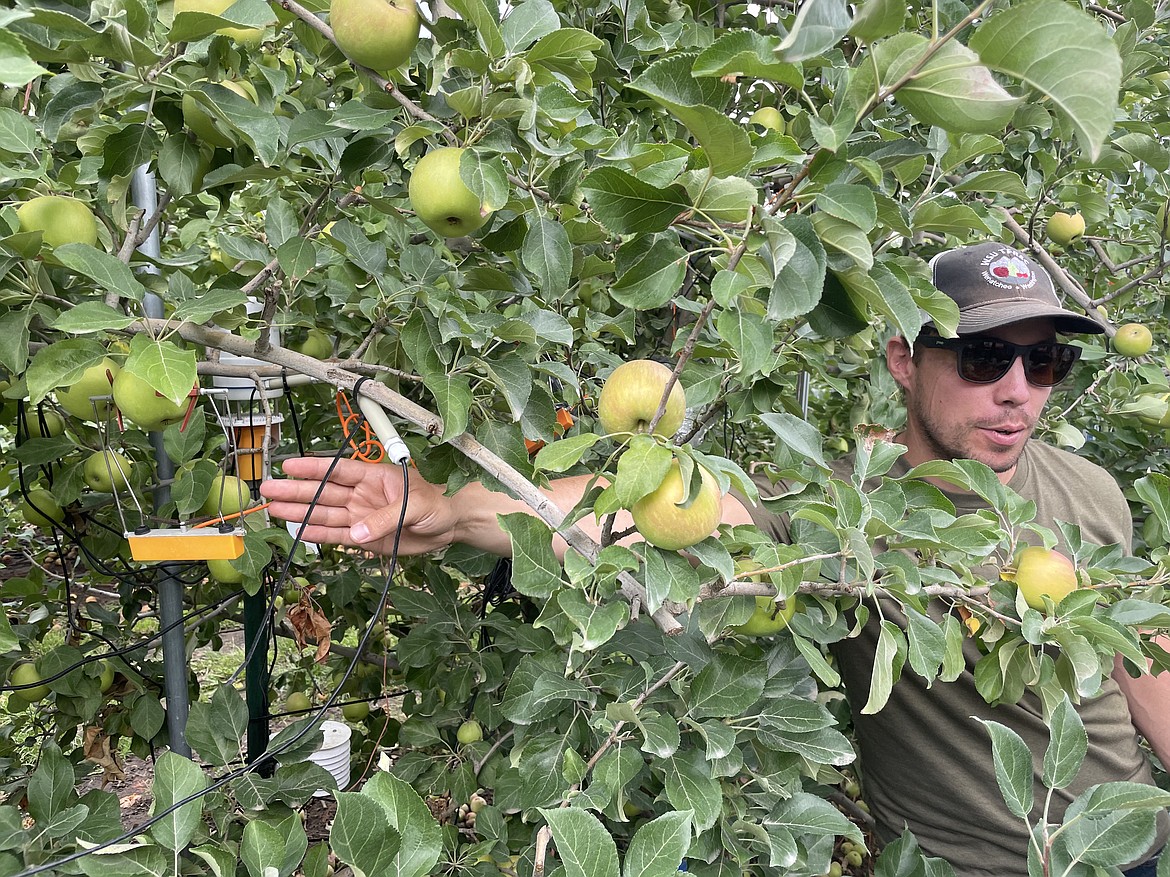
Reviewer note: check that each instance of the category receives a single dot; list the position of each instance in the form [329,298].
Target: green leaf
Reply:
[179,165]
[484,24]
[726,687]
[690,786]
[640,469]
[108,272]
[585,848]
[219,858]
[485,177]
[535,570]
[208,305]
[844,237]
[650,271]
[126,149]
[926,644]
[362,836]
[851,203]
[1013,767]
[798,263]
[189,26]
[422,837]
[60,364]
[137,860]
[806,815]
[16,67]
[874,19]
[296,257]
[91,316]
[1048,45]
[14,337]
[262,849]
[165,366]
[887,666]
[819,26]
[528,22]
[658,846]
[548,254]
[1067,746]
[747,53]
[800,436]
[565,453]
[50,789]
[626,205]
[176,777]
[596,623]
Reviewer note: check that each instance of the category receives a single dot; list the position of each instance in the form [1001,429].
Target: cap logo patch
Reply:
[1008,269]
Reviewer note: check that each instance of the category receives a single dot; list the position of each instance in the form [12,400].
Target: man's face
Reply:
[949,418]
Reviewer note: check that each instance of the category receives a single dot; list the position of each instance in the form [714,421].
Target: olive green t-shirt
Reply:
[926,760]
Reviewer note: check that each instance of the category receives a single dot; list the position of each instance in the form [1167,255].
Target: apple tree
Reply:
[473,228]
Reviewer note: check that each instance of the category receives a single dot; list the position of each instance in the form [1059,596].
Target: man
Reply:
[976,397]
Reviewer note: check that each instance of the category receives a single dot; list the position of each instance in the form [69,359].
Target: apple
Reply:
[439,196]
[224,573]
[248,37]
[770,616]
[93,382]
[469,732]
[1064,228]
[45,423]
[106,679]
[379,34]
[1133,340]
[26,674]
[1041,572]
[316,344]
[59,220]
[298,702]
[205,126]
[768,117]
[665,524]
[630,396]
[356,712]
[143,405]
[229,495]
[106,471]
[41,509]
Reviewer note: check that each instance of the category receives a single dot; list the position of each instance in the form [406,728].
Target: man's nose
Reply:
[1014,387]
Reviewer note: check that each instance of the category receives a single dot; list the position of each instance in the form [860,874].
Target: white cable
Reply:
[392,443]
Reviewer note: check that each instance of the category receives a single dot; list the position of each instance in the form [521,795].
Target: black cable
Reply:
[292,410]
[255,765]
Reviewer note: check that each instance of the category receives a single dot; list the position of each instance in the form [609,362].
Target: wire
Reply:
[224,518]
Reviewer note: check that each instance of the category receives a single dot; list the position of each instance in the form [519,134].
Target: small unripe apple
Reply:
[105,471]
[94,381]
[106,679]
[142,404]
[356,712]
[665,524]
[44,423]
[1064,228]
[1042,572]
[769,617]
[223,571]
[379,34]
[469,732]
[228,496]
[768,117]
[26,674]
[298,702]
[316,344]
[1133,340]
[41,510]
[439,196]
[630,395]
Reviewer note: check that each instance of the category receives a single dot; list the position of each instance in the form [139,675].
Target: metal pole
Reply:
[144,193]
[256,677]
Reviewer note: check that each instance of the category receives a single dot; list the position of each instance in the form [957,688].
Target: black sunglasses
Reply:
[984,360]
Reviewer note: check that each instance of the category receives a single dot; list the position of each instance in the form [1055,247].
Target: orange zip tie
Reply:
[369,450]
[225,518]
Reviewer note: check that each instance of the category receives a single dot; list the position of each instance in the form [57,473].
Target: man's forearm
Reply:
[1149,704]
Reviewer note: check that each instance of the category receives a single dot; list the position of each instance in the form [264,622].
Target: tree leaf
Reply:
[176,777]
[1048,44]
[565,453]
[103,269]
[747,53]
[362,835]
[166,367]
[584,846]
[91,316]
[422,838]
[16,67]
[61,364]
[1013,767]
[626,205]
[262,849]
[798,435]
[819,25]
[535,570]
[1066,748]
[658,846]
[548,254]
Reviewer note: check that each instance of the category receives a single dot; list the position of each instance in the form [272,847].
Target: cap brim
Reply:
[983,319]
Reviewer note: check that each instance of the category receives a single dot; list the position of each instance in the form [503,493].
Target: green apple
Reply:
[106,679]
[105,471]
[630,396]
[27,674]
[224,573]
[440,198]
[41,509]
[94,381]
[1064,228]
[768,617]
[1041,572]
[59,220]
[379,34]
[666,524]
[229,495]
[316,344]
[469,732]
[768,117]
[356,712]
[248,37]
[205,126]
[138,401]
[298,702]
[1133,340]
[45,423]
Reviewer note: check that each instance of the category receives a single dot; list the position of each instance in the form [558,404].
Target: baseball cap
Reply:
[994,285]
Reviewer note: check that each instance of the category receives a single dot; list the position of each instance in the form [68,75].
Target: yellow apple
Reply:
[94,381]
[439,196]
[768,117]
[1041,572]
[105,471]
[143,405]
[59,220]
[630,396]
[41,510]
[1133,340]
[316,344]
[1065,228]
[666,524]
[379,34]
[106,679]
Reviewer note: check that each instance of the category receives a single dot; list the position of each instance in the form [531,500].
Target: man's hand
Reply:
[361,504]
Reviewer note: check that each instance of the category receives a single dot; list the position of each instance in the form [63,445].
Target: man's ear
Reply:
[899,360]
